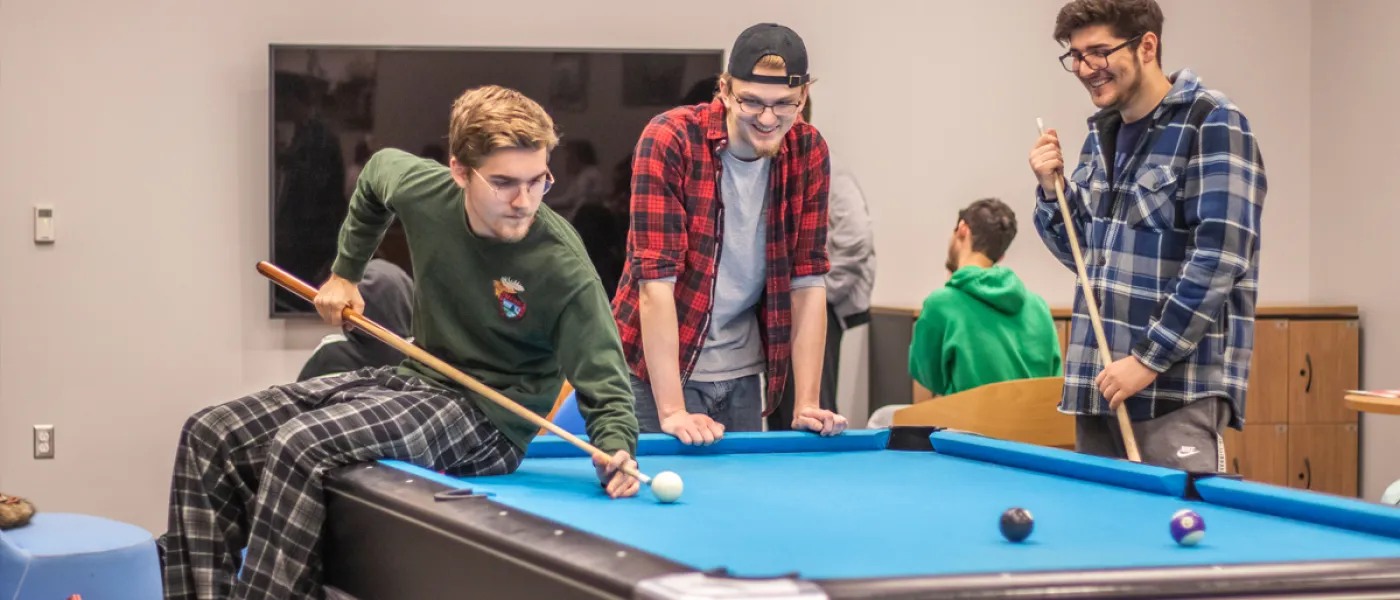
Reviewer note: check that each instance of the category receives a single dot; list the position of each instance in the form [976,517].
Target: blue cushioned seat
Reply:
[58,555]
[568,417]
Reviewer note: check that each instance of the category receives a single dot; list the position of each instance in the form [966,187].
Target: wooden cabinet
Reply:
[1259,453]
[1268,398]
[1298,433]
[1324,359]
[1322,457]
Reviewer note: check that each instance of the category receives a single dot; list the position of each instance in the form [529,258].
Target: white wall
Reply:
[1354,207]
[963,127]
[145,124]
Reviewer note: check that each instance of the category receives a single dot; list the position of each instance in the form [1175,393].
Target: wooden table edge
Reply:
[1373,404]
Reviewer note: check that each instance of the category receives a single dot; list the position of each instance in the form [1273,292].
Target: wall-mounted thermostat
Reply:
[43,224]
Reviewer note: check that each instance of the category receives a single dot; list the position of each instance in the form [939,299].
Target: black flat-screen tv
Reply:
[334,106]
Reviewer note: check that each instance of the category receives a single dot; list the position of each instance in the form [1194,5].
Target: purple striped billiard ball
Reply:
[1188,527]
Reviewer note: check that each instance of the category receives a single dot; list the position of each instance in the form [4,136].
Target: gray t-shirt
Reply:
[734,347]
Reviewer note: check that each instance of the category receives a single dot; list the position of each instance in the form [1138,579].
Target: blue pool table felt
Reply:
[882,513]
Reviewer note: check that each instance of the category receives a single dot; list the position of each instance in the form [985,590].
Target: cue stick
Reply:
[1124,423]
[301,288]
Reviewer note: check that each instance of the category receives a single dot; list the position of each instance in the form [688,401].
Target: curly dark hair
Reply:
[1127,19]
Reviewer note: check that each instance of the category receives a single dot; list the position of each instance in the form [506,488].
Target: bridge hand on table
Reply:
[617,483]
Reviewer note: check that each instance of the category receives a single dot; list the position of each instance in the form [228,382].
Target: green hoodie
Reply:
[982,327]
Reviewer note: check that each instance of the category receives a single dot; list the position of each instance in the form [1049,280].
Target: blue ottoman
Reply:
[60,554]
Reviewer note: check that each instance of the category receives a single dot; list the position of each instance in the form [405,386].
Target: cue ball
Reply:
[1188,527]
[666,486]
[1016,524]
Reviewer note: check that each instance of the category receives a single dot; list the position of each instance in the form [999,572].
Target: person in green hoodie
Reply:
[983,326]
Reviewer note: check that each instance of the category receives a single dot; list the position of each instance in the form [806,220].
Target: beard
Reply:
[746,134]
[1129,86]
[499,226]
[767,151]
[513,230]
[1126,96]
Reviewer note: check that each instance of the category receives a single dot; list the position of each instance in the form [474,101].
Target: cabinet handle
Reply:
[1307,475]
[1309,371]
[1236,460]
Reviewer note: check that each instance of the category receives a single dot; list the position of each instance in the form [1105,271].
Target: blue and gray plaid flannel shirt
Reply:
[1171,251]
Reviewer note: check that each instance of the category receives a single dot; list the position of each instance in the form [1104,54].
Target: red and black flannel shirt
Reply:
[676,222]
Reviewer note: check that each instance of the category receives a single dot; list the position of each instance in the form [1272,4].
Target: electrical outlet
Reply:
[43,441]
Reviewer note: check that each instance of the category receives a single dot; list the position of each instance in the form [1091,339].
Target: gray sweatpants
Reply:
[1189,438]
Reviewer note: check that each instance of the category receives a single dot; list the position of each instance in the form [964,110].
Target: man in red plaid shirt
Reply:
[723,282]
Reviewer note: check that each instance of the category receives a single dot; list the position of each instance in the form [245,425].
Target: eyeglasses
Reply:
[754,107]
[1096,59]
[510,191]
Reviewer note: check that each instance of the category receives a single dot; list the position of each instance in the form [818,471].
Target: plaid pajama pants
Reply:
[249,474]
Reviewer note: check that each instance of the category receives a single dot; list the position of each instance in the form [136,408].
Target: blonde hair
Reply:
[769,61]
[491,117]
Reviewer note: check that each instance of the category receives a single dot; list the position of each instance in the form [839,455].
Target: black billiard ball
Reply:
[1016,524]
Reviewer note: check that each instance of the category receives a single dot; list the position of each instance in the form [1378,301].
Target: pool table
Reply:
[899,513]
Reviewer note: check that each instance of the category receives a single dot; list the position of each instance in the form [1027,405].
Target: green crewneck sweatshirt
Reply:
[982,327]
[519,317]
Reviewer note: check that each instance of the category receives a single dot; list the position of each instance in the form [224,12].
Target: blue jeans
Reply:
[737,404]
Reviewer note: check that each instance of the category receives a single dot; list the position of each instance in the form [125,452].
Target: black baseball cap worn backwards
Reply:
[762,40]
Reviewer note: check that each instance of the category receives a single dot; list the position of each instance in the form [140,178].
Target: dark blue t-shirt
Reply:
[1128,136]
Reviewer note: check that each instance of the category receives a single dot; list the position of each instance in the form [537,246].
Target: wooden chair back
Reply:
[1023,410]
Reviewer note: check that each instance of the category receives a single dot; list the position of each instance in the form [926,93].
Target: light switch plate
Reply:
[43,224]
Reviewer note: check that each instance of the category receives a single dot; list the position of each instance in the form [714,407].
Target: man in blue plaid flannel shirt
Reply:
[1166,201]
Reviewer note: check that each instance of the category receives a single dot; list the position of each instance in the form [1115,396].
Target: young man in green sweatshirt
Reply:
[983,326]
[498,279]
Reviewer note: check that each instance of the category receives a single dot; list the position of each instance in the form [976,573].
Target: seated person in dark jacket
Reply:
[388,293]
[603,227]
